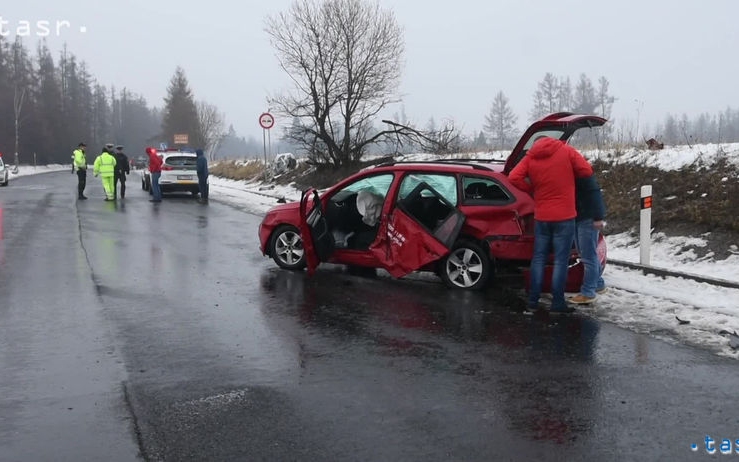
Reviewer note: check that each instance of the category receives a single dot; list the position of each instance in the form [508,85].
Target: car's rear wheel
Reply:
[286,248]
[466,267]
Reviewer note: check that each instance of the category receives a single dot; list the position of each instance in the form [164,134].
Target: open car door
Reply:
[420,229]
[318,242]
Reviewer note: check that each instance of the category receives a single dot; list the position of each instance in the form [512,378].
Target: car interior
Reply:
[426,207]
[484,193]
[349,227]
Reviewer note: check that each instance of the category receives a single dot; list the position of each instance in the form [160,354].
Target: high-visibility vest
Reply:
[80,162]
[104,165]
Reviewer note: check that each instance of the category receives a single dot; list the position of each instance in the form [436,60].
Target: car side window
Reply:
[484,191]
[445,185]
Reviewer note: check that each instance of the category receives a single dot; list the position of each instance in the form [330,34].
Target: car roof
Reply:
[178,153]
[443,165]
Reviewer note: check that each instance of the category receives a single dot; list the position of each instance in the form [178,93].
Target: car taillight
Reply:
[167,167]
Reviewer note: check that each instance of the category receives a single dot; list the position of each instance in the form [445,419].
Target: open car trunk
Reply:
[560,125]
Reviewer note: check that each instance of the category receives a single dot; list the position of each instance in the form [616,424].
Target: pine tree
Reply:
[180,111]
[585,101]
[500,123]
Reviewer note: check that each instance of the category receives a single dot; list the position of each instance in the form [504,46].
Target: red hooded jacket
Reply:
[551,167]
[155,162]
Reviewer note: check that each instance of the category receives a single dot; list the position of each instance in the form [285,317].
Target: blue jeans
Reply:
[156,191]
[555,236]
[586,240]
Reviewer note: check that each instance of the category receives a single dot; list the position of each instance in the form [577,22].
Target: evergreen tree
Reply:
[500,123]
[49,101]
[584,100]
[180,112]
[564,95]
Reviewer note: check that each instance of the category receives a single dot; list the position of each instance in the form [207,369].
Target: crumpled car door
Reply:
[420,229]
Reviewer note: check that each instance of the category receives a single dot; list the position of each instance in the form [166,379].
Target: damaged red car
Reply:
[459,218]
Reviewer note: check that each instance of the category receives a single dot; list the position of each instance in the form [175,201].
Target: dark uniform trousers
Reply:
[81,181]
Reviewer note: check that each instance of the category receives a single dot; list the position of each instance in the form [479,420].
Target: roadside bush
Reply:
[238,170]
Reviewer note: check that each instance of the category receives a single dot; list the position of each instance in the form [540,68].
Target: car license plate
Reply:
[184,177]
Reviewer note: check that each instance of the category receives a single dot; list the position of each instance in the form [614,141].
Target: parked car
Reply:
[179,172]
[4,173]
[140,162]
[461,219]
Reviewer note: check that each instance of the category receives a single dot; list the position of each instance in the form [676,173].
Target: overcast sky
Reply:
[660,56]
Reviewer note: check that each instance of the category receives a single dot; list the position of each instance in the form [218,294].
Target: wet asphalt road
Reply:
[135,331]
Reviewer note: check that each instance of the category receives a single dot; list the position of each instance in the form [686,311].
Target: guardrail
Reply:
[662,272]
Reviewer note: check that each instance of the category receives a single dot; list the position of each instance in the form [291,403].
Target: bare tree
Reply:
[344,58]
[444,140]
[211,124]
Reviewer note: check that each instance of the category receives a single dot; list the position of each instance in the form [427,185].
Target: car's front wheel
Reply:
[466,267]
[286,248]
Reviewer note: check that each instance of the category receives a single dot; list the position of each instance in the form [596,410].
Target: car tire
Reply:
[286,248]
[467,266]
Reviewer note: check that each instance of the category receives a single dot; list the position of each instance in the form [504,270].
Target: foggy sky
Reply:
[660,56]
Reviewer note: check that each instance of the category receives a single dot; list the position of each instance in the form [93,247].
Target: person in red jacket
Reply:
[155,169]
[548,171]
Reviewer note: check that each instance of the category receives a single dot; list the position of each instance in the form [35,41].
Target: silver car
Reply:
[3,173]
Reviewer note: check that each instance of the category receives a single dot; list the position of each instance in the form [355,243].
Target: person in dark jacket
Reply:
[591,210]
[122,168]
[551,167]
[202,168]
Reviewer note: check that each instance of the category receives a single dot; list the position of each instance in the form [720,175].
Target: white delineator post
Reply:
[645,224]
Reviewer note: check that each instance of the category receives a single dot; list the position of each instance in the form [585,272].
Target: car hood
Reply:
[564,124]
[285,207]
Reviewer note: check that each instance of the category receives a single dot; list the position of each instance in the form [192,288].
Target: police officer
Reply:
[105,167]
[122,168]
[80,163]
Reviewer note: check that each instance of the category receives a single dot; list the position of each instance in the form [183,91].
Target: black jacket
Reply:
[589,199]
[121,164]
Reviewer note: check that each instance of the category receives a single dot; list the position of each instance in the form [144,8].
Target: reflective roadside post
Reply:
[645,224]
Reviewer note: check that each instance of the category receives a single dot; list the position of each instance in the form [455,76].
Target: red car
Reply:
[461,219]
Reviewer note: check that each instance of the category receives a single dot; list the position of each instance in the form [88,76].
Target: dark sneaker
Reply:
[82,198]
[563,310]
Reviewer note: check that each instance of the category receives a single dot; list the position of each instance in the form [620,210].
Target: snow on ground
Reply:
[643,303]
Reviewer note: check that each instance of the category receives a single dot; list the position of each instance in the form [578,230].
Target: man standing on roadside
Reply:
[202,168]
[155,169]
[80,163]
[122,169]
[591,211]
[551,167]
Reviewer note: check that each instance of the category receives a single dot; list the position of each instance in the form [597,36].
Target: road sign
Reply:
[266,121]
[181,138]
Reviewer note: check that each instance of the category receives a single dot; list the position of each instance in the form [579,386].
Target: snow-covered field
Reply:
[644,303]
